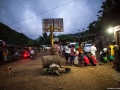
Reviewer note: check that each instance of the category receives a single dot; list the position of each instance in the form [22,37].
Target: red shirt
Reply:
[94,59]
[86,60]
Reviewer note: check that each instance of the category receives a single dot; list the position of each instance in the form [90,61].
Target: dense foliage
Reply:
[108,17]
[13,37]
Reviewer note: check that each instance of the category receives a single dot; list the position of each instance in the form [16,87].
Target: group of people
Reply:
[14,53]
[31,53]
[28,53]
[75,55]
[111,53]
[114,54]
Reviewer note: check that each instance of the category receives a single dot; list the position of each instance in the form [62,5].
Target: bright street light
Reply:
[110,30]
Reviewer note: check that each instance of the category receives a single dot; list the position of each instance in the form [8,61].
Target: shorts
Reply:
[72,58]
[67,56]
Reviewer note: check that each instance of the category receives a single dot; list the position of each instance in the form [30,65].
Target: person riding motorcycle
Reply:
[25,53]
[32,54]
[17,55]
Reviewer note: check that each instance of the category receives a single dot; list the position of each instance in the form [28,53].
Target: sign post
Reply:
[51,35]
[52,25]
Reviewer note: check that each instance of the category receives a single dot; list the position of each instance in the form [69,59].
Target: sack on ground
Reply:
[76,60]
[111,57]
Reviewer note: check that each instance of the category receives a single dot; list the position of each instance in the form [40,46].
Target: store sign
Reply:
[56,39]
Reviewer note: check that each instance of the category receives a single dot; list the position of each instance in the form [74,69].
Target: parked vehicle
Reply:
[103,55]
[87,47]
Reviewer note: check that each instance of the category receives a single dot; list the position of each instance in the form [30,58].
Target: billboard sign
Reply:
[57,24]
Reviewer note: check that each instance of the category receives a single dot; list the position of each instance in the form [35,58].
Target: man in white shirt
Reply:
[93,50]
[32,53]
[67,53]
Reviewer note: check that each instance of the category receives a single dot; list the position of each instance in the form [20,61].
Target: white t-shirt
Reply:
[67,49]
[93,50]
[104,49]
[32,52]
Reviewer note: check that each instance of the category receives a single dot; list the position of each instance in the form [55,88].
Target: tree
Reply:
[108,16]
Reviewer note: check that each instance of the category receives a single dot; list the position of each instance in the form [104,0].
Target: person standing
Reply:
[93,50]
[5,54]
[67,52]
[80,59]
[63,50]
[72,54]
[116,56]
[32,53]
[57,47]
[60,50]
[111,50]
[80,49]
[1,54]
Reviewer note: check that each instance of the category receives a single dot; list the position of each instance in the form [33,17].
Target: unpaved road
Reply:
[27,76]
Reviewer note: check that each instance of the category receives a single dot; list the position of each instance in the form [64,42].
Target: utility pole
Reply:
[51,35]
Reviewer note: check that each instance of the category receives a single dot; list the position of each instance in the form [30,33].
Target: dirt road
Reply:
[27,76]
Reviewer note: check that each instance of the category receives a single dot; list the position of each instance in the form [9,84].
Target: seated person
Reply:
[93,59]
[86,60]
[81,60]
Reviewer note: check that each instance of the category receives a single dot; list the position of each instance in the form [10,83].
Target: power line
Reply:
[42,12]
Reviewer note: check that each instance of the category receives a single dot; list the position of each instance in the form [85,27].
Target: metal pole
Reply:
[52,32]
[51,35]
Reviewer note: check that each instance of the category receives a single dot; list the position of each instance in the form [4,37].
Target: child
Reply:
[81,60]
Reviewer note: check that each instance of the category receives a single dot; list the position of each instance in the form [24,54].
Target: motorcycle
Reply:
[32,57]
[103,56]
[26,55]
